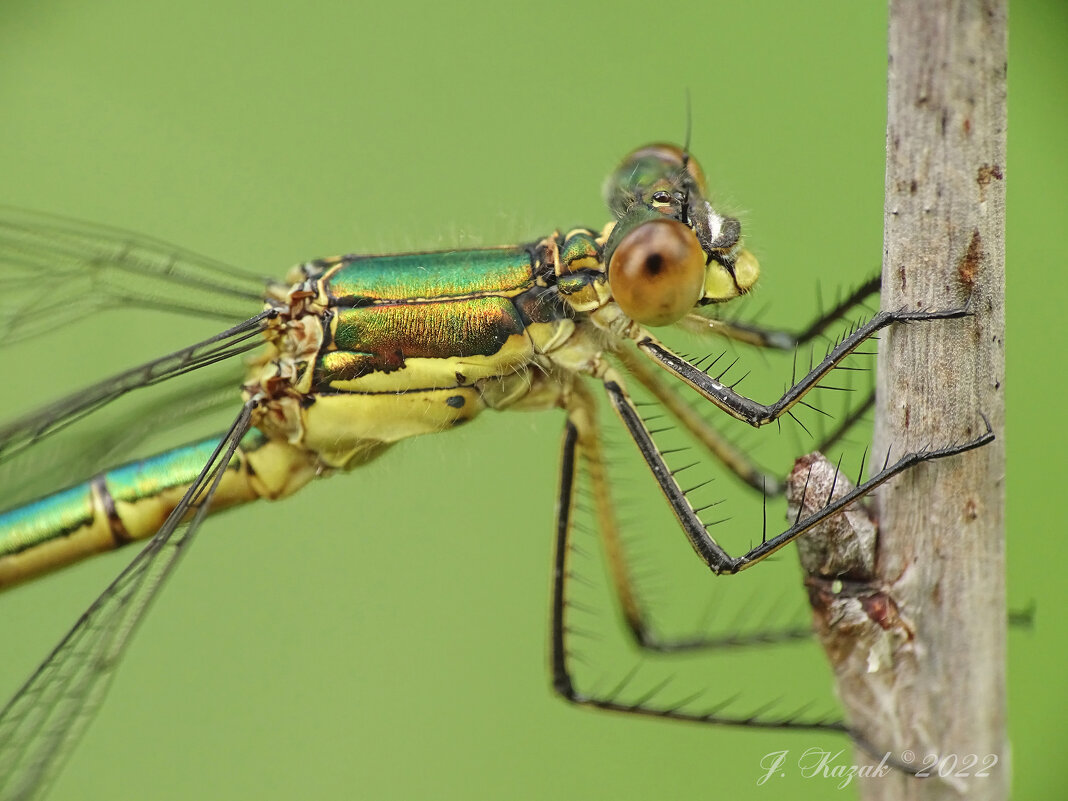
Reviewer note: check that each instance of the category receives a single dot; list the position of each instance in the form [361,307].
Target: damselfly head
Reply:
[670,250]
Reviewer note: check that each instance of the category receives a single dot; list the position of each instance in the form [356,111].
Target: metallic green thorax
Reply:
[374,349]
[389,309]
[457,304]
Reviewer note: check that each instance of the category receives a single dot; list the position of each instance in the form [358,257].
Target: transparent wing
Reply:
[42,723]
[55,271]
[17,436]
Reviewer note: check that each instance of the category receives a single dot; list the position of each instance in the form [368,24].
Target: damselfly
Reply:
[360,352]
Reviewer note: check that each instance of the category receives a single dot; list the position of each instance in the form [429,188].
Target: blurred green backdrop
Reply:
[383,634]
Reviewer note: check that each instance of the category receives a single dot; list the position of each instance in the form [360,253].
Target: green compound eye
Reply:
[657,272]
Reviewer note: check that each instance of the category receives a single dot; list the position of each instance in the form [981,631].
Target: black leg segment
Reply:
[758,414]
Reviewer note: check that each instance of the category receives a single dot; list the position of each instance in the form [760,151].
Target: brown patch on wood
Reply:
[968,266]
[986,174]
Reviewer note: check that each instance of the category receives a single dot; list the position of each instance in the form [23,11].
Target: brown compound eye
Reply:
[657,272]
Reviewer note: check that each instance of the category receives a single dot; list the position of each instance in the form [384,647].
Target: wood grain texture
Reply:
[940,556]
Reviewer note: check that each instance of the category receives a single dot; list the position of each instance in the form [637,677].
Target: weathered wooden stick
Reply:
[933,691]
[941,546]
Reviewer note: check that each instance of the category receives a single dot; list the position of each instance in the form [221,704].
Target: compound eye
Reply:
[657,272]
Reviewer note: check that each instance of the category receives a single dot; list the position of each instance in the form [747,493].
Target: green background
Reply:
[383,634]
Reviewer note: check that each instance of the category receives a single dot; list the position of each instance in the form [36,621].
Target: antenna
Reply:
[686,159]
[689,130]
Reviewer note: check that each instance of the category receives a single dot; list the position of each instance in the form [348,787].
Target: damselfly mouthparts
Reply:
[360,352]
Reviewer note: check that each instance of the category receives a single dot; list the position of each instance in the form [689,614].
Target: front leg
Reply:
[758,414]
